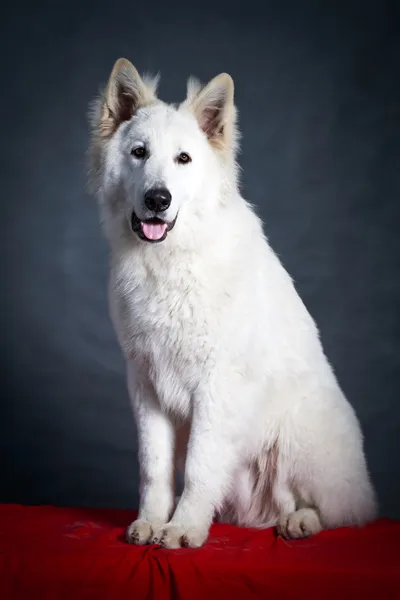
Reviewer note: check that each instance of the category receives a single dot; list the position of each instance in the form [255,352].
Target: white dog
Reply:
[225,368]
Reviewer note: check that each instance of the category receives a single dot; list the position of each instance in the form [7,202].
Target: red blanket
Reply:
[52,553]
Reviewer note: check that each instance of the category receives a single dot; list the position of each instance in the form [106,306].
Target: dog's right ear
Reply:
[126,92]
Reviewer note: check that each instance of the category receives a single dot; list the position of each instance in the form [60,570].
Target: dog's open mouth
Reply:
[151,230]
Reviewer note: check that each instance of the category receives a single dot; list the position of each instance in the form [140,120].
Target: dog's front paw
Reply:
[140,532]
[174,535]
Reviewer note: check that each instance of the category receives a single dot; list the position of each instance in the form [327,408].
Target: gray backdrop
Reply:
[318,88]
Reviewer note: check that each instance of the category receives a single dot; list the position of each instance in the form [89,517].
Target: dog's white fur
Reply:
[225,368]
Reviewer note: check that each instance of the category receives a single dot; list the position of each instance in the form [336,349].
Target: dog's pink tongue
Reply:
[154,231]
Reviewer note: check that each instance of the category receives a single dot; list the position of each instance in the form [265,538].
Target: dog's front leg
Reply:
[156,457]
[213,449]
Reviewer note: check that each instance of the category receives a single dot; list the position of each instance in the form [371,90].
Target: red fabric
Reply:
[52,553]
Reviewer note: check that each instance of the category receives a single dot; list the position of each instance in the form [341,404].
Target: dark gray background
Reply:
[318,88]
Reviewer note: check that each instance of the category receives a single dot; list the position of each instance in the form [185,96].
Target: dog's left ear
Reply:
[214,109]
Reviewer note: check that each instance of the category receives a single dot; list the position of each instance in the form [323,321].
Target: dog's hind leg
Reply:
[300,523]
[328,468]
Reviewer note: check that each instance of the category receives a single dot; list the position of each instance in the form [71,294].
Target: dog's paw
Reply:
[300,524]
[174,535]
[140,532]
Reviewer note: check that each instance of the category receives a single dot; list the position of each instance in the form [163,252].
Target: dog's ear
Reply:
[213,106]
[126,92]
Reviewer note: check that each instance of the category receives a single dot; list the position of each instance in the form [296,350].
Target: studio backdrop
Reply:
[318,93]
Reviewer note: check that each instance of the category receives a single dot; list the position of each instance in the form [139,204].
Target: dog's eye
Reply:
[183,158]
[139,152]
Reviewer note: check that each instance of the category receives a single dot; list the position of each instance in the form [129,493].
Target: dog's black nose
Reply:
[157,199]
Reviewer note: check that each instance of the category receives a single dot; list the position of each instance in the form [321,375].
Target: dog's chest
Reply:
[163,319]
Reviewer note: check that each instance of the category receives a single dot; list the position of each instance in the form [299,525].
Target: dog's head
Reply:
[157,159]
